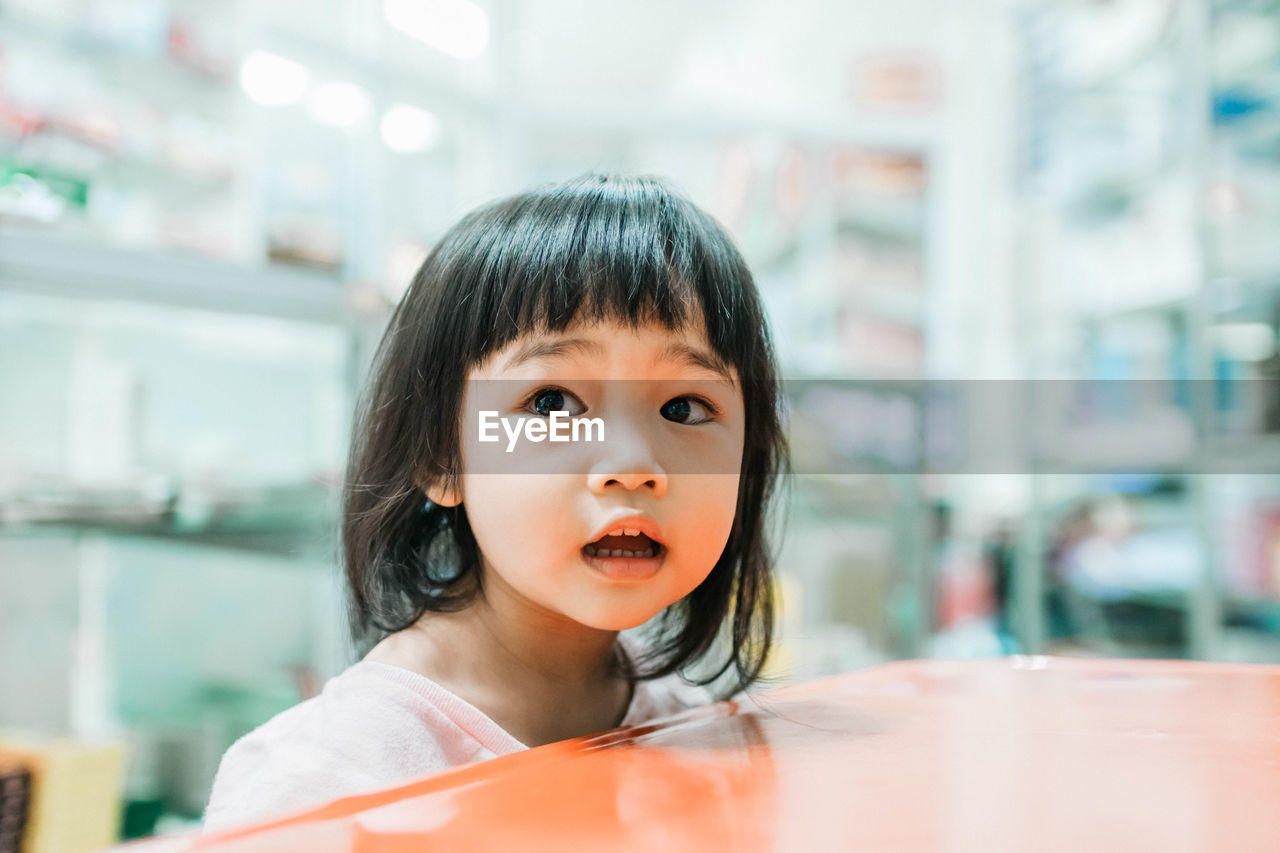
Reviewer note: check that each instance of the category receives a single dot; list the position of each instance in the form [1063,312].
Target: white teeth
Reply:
[631,531]
[617,532]
[593,551]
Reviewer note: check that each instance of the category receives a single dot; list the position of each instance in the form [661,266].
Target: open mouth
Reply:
[624,542]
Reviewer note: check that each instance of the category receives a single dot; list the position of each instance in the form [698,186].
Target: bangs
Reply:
[595,249]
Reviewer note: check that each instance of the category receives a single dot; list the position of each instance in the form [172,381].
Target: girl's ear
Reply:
[438,490]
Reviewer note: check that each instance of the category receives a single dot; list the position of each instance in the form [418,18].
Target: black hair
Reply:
[599,247]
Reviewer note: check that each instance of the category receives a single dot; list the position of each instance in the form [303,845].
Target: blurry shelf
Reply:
[900,227]
[1052,22]
[272,507]
[1259,6]
[283,543]
[855,498]
[1249,454]
[164,175]
[1253,141]
[54,264]
[1252,298]
[1252,86]
[278,519]
[907,309]
[1181,599]
[1174,305]
[136,64]
[1257,454]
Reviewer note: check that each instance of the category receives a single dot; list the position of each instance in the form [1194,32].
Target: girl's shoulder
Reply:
[371,727]
[376,725]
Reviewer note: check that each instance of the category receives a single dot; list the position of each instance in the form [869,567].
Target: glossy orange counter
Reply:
[1019,754]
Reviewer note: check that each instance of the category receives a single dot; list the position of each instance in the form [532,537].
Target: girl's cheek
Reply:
[714,501]
[517,449]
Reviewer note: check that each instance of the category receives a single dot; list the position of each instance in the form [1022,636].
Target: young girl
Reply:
[488,581]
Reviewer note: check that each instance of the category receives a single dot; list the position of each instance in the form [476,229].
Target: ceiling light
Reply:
[408,129]
[459,28]
[271,80]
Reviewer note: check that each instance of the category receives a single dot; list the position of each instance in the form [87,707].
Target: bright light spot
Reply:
[339,104]
[271,80]
[1226,200]
[1245,341]
[407,129]
[459,28]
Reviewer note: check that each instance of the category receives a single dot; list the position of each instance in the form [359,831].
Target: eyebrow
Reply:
[676,352]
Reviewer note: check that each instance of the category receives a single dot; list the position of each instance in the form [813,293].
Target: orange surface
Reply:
[1020,754]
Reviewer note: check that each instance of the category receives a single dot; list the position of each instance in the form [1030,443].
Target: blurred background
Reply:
[208,210]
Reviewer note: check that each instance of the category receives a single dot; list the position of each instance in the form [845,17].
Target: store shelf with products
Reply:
[119,126]
[47,261]
[171,456]
[878,240]
[297,520]
[1170,280]
[202,399]
[165,650]
[153,129]
[855,557]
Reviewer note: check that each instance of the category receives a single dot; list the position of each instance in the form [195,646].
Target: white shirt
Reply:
[375,726]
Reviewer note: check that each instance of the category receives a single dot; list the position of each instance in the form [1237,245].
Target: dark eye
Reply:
[682,409]
[547,400]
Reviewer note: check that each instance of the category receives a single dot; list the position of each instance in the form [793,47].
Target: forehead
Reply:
[611,345]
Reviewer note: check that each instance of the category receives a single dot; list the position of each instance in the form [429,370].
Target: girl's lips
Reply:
[627,568]
[635,521]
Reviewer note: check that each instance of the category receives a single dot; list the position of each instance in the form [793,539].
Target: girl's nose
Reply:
[651,478]
[629,463]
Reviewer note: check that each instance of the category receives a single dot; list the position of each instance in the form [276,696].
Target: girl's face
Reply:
[673,426]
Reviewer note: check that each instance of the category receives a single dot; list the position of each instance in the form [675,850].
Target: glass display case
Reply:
[172,439]
[1148,225]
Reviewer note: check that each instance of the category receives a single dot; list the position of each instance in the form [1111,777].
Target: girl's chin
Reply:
[618,617]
